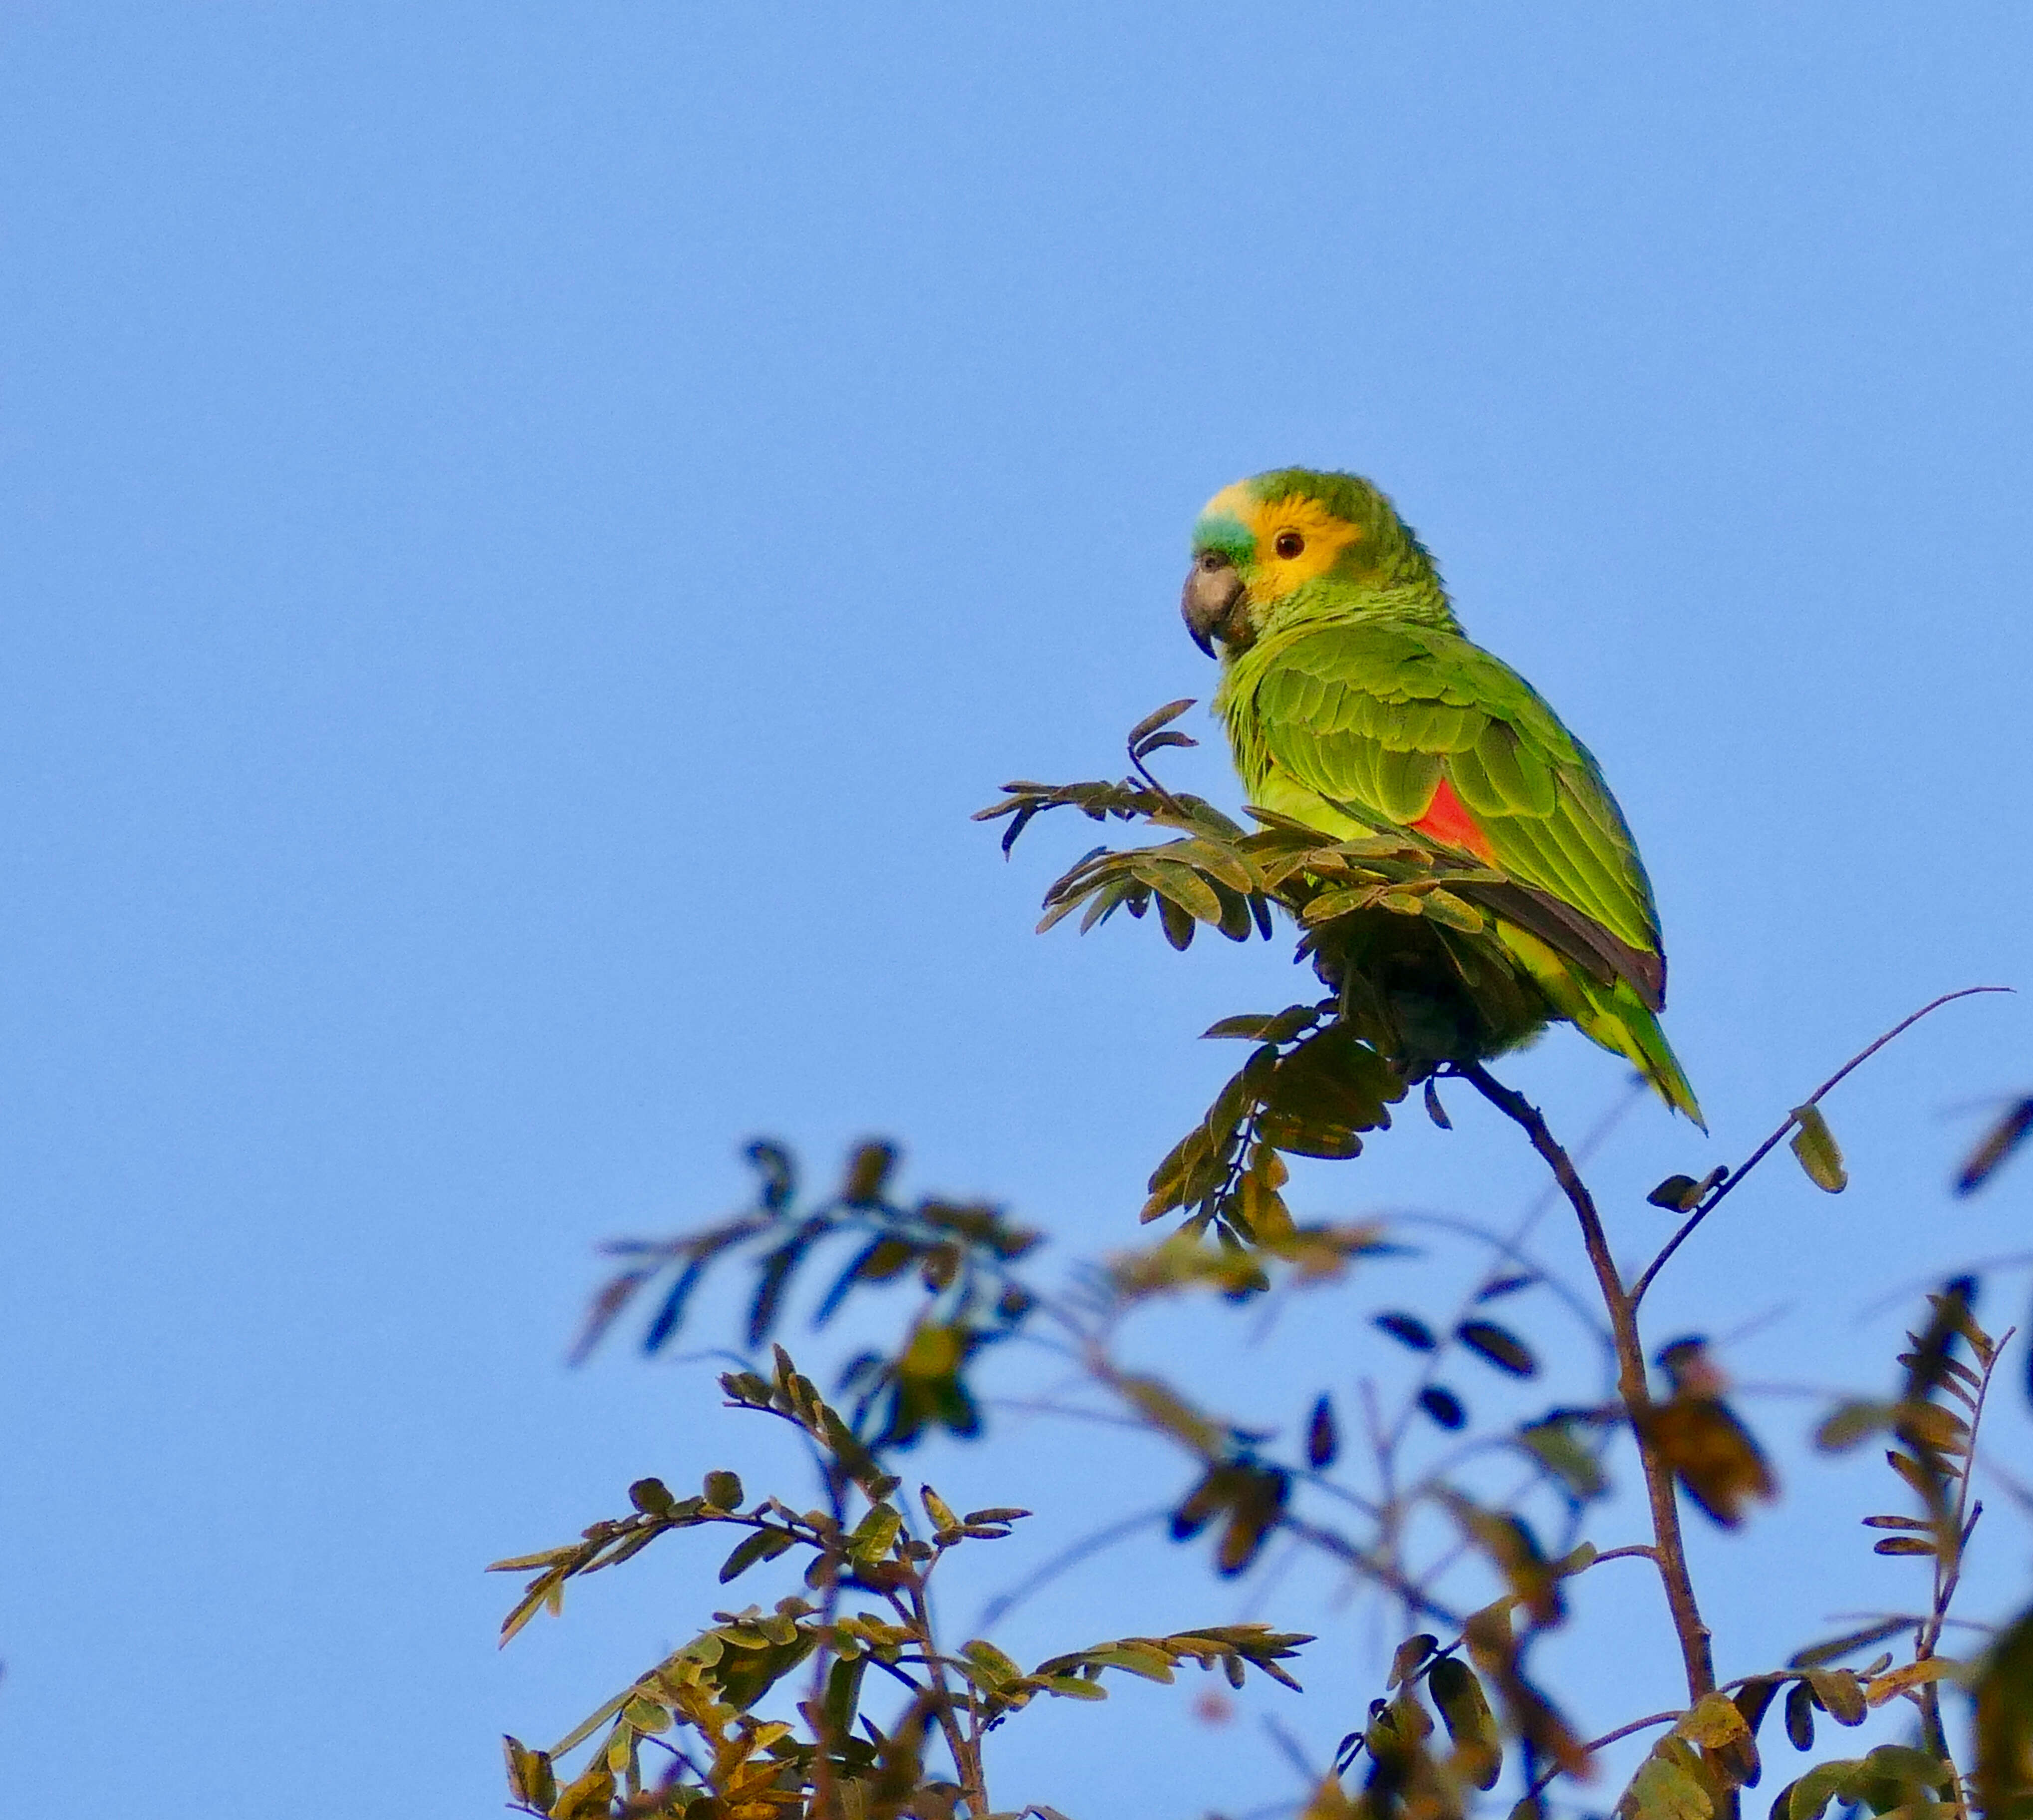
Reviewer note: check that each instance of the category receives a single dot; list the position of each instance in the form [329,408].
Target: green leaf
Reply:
[1815,1145]
[1664,1789]
[1677,1194]
[1465,1710]
[871,1538]
[2005,1721]
[1554,1445]
[1853,1424]
[843,1696]
[723,1490]
[994,1663]
[1456,913]
[1711,1722]
[1182,886]
[1806,1798]
[1839,1694]
[1278,1027]
[530,1780]
[652,1497]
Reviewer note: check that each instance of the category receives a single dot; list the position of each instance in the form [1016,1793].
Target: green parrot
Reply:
[1353,704]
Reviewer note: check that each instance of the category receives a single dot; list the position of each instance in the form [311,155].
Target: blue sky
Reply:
[528,532]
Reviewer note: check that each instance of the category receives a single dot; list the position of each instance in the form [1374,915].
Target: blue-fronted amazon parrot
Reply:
[1354,704]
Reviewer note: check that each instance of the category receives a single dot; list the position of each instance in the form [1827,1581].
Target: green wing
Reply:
[1371,717]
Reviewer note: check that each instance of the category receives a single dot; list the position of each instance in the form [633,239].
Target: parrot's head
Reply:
[1261,543]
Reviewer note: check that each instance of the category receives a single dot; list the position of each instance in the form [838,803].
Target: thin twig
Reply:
[1730,1181]
[1543,1783]
[1004,1603]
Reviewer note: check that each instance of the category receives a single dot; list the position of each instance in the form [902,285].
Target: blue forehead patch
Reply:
[1223,532]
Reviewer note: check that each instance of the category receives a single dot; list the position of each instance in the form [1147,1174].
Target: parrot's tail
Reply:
[1610,1015]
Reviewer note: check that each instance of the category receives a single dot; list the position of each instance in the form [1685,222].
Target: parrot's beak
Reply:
[1212,589]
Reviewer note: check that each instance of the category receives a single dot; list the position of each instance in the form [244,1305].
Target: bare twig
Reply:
[1004,1603]
[1729,1182]
[1541,1783]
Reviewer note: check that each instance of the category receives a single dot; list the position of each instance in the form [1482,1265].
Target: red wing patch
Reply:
[1447,819]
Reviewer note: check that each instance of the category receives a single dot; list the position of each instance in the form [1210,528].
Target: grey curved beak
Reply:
[1211,590]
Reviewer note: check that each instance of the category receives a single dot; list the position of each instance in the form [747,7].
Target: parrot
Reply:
[1354,704]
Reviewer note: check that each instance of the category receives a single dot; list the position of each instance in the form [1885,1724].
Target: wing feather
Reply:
[1371,717]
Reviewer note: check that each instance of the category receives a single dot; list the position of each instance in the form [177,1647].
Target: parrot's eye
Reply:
[1289,543]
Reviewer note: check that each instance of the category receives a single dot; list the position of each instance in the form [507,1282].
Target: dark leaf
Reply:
[1754,1698]
[1502,1348]
[1259,1504]
[1214,1492]
[765,1544]
[1409,1656]
[775,1276]
[1322,1441]
[670,1316]
[1902,1545]
[1503,1286]
[1159,717]
[867,1172]
[615,1295]
[723,1490]
[1434,1110]
[1998,1144]
[1408,1330]
[1677,1194]
[780,1178]
[1442,1406]
[1800,1717]
[877,1262]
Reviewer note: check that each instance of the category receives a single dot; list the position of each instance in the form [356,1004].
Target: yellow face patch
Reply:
[1297,538]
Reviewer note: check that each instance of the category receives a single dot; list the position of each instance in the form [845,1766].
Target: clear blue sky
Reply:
[528,529]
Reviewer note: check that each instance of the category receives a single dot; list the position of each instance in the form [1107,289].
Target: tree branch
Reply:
[1633,1386]
[1765,1149]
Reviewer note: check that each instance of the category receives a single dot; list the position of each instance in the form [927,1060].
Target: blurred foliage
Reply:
[1488,1429]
